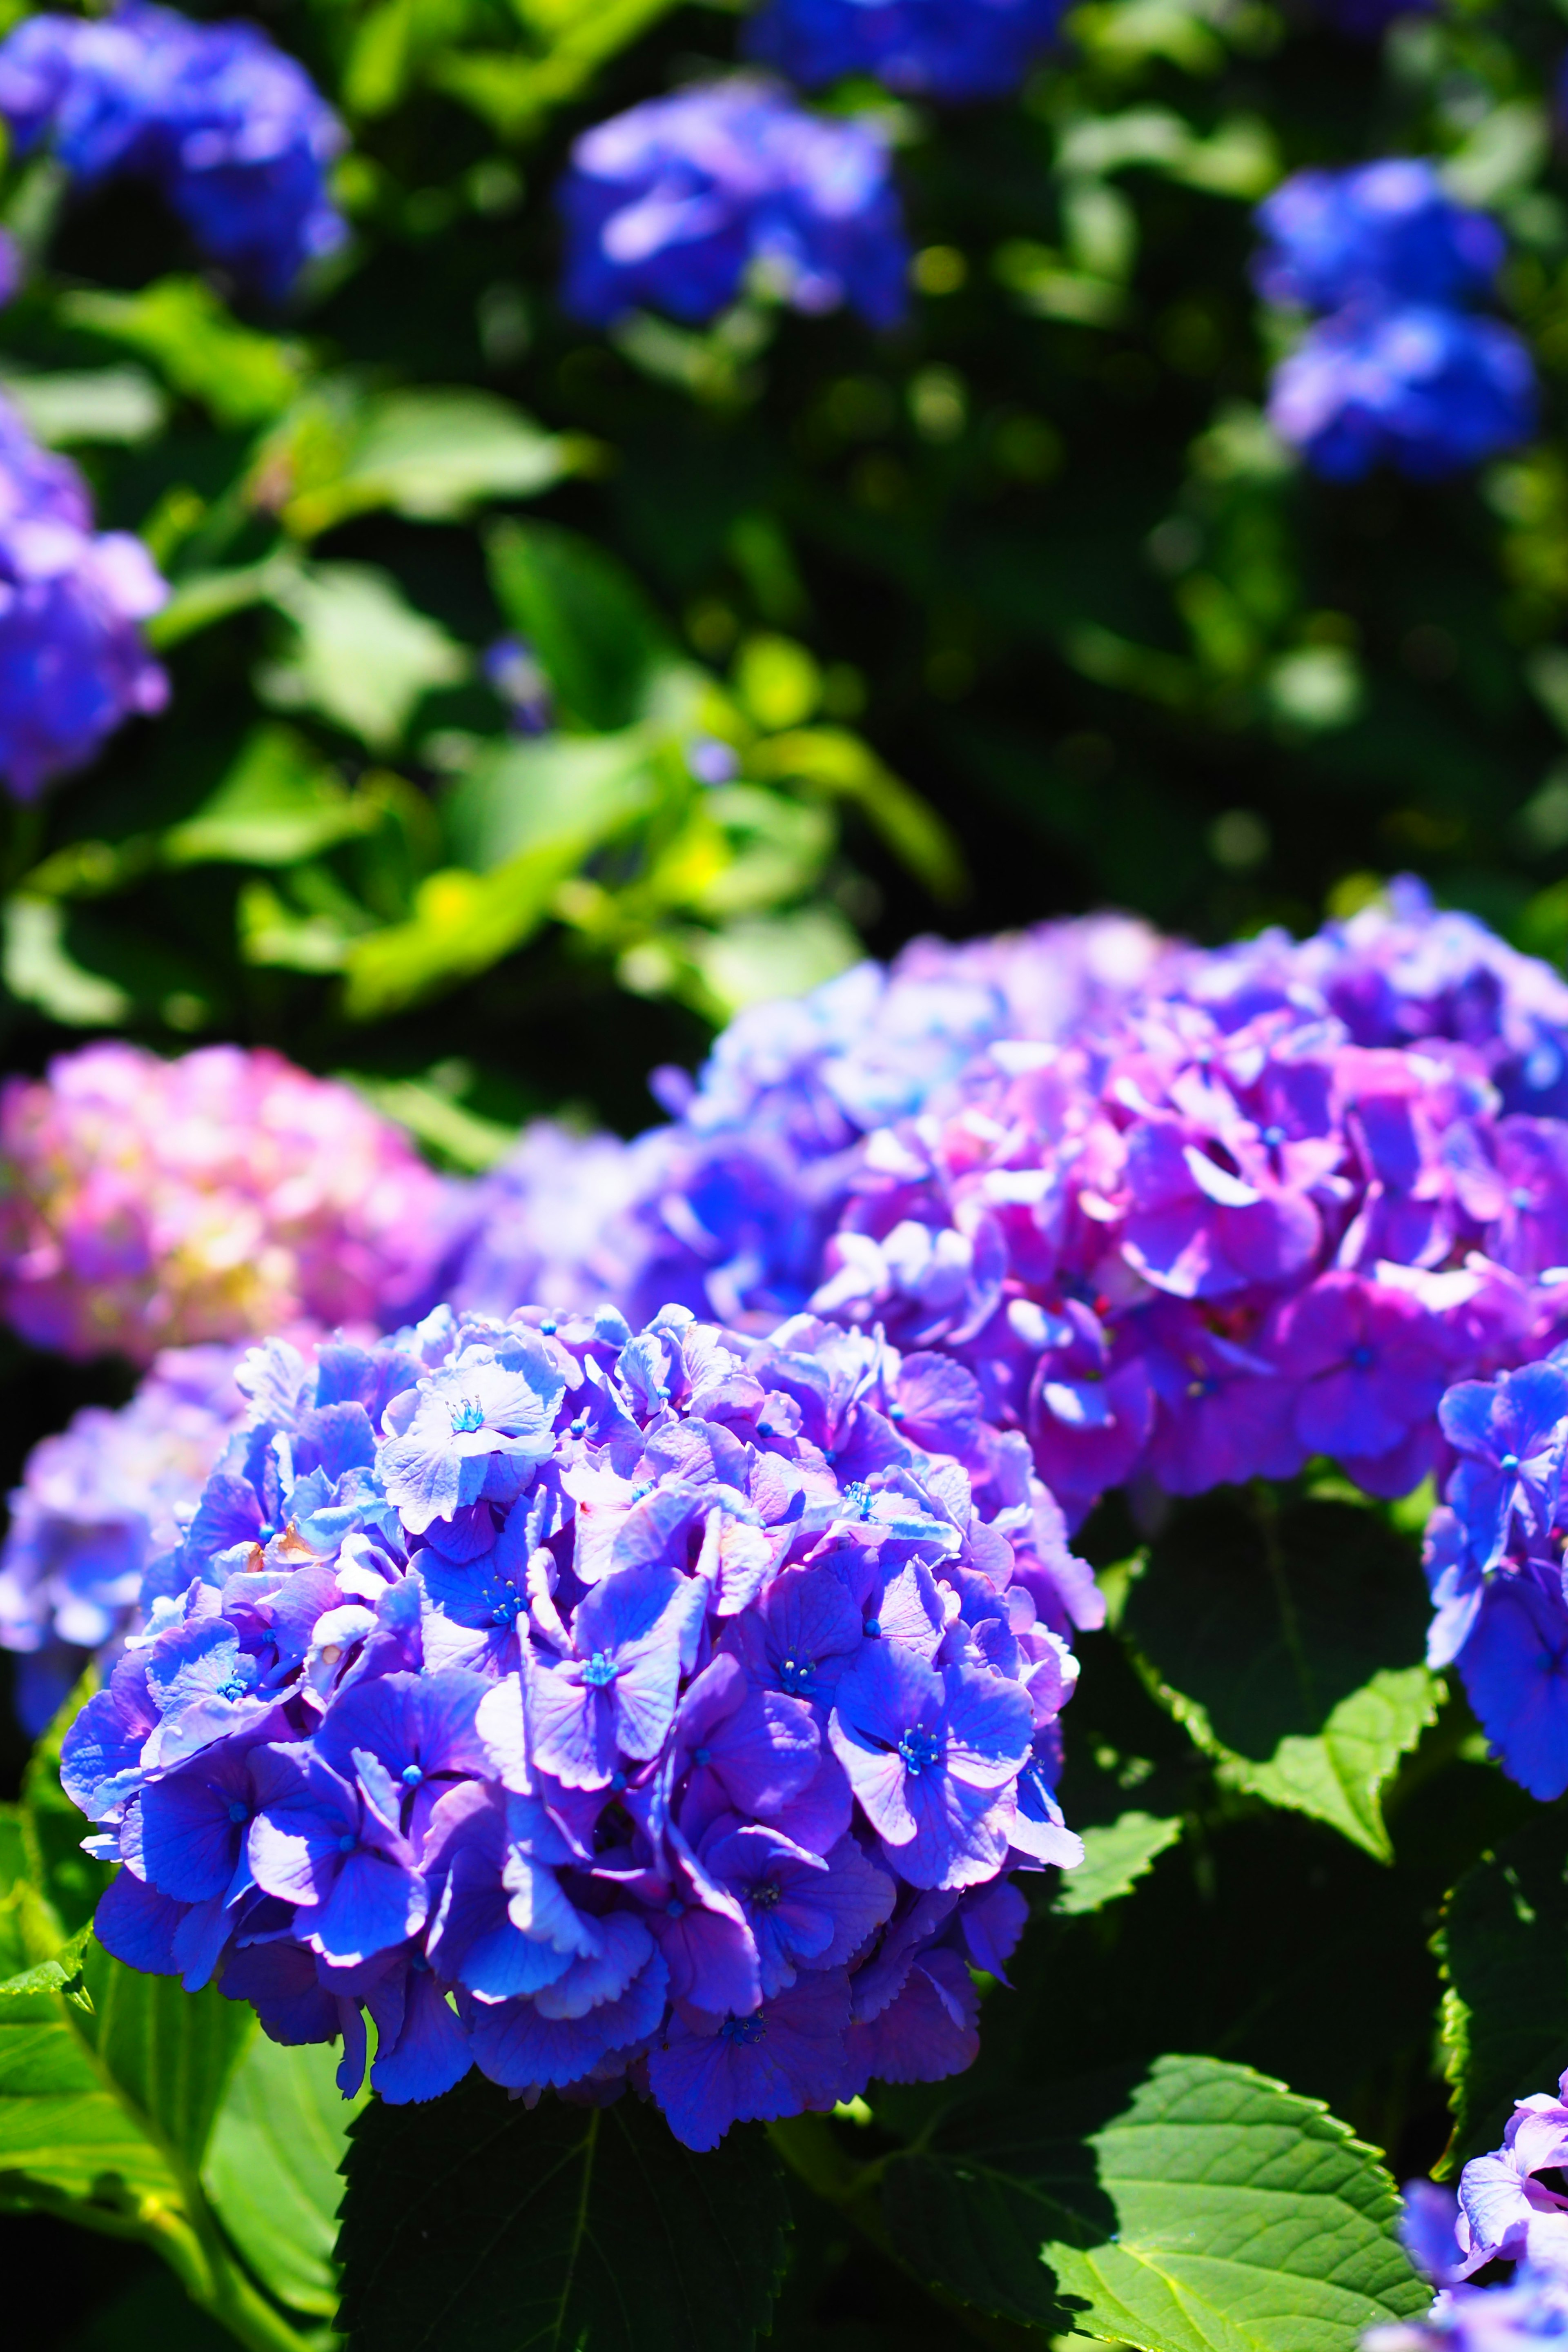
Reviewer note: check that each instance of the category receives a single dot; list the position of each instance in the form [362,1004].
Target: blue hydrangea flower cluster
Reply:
[1494,1559]
[948,50]
[1530,2308]
[98,1504]
[594,1708]
[1397,367]
[229,129]
[73,663]
[683,202]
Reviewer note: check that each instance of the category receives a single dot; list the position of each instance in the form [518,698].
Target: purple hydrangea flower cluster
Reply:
[727,1208]
[98,1504]
[591,1707]
[950,51]
[680,203]
[1494,1558]
[1508,2207]
[1395,367]
[229,129]
[73,664]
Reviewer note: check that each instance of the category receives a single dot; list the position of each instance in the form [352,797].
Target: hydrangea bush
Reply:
[582,566]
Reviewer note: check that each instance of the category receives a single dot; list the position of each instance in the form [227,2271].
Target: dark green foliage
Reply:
[1504,1948]
[567,2229]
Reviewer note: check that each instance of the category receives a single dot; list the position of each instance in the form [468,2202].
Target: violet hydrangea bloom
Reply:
[230,128]
[595,1708]
[1396,367]
[98,1504]
[146,1204]
[945,50]
[73,663]
[1503,2209]
[1427,390]
[1529,2308]
[676,204]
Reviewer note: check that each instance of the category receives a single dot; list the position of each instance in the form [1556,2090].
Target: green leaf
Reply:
[1503,1943]
[40,969]
[1115,1857]
[364,656]
[277,804]
[517,796]
[764,956]
[178,323]
[462,923]
[272,2169]
[475,2221]
[464,1137]
[65,2136]
[832,762]
[1194,2207]
[1290,1646]
[435,454]
[511,92]
[118,403]
[596,637]
[169,2051]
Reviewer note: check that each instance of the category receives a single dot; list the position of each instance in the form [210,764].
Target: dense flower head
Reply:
[727,1208]
[98,1504]
[1384,232]
[73,664]
[590,1706]
[944,49]
[146,1203]
[679,203]
[1424,388]
[1395,369]
[231,129]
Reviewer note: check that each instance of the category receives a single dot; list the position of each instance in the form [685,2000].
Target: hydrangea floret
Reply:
[595,1708]
[228,127]
[682,203]
[147,1203]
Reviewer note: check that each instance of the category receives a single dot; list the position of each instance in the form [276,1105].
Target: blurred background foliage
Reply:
[1016,610]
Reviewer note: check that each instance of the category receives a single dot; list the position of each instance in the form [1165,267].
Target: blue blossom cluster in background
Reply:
[227,126]
[682,202]
[99,1503]
[73,663]
[947,49]
[1397,368]
[585,1705]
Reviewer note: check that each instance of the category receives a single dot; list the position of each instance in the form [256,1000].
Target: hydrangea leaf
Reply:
[595,634]
[433,454]
[1337,1776]
[178,323]
[475,2221]
[1503,1943]
[277,804]
[364,656]
[1194,2207]
[65,2137]
[1115,1857]
[272,2169]
[1290,1644]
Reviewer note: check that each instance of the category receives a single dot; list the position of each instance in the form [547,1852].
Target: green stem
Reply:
[222,2288]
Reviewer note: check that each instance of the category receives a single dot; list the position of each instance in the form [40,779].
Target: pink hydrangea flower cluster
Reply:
[146,1203]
